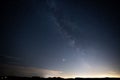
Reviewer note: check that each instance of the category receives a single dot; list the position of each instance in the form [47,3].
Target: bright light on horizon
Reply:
[94,76]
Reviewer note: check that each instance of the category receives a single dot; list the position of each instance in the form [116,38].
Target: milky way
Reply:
[66,27]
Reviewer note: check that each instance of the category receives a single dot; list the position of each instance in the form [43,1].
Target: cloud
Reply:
[15,70]
[10,57]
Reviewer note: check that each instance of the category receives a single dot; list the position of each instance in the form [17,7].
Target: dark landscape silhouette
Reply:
[52,78]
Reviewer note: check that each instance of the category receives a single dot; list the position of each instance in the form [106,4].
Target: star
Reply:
[63,59]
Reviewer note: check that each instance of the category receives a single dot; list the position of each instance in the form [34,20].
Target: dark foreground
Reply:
[54,78]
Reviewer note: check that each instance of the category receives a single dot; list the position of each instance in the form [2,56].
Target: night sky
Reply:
[60,38]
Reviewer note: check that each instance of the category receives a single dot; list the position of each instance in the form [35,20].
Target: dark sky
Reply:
[66,38]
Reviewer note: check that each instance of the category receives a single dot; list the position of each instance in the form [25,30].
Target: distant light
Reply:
[5,77]
[1,77]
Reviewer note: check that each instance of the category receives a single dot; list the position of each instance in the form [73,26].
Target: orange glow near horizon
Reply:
[102,76]
[91,76]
